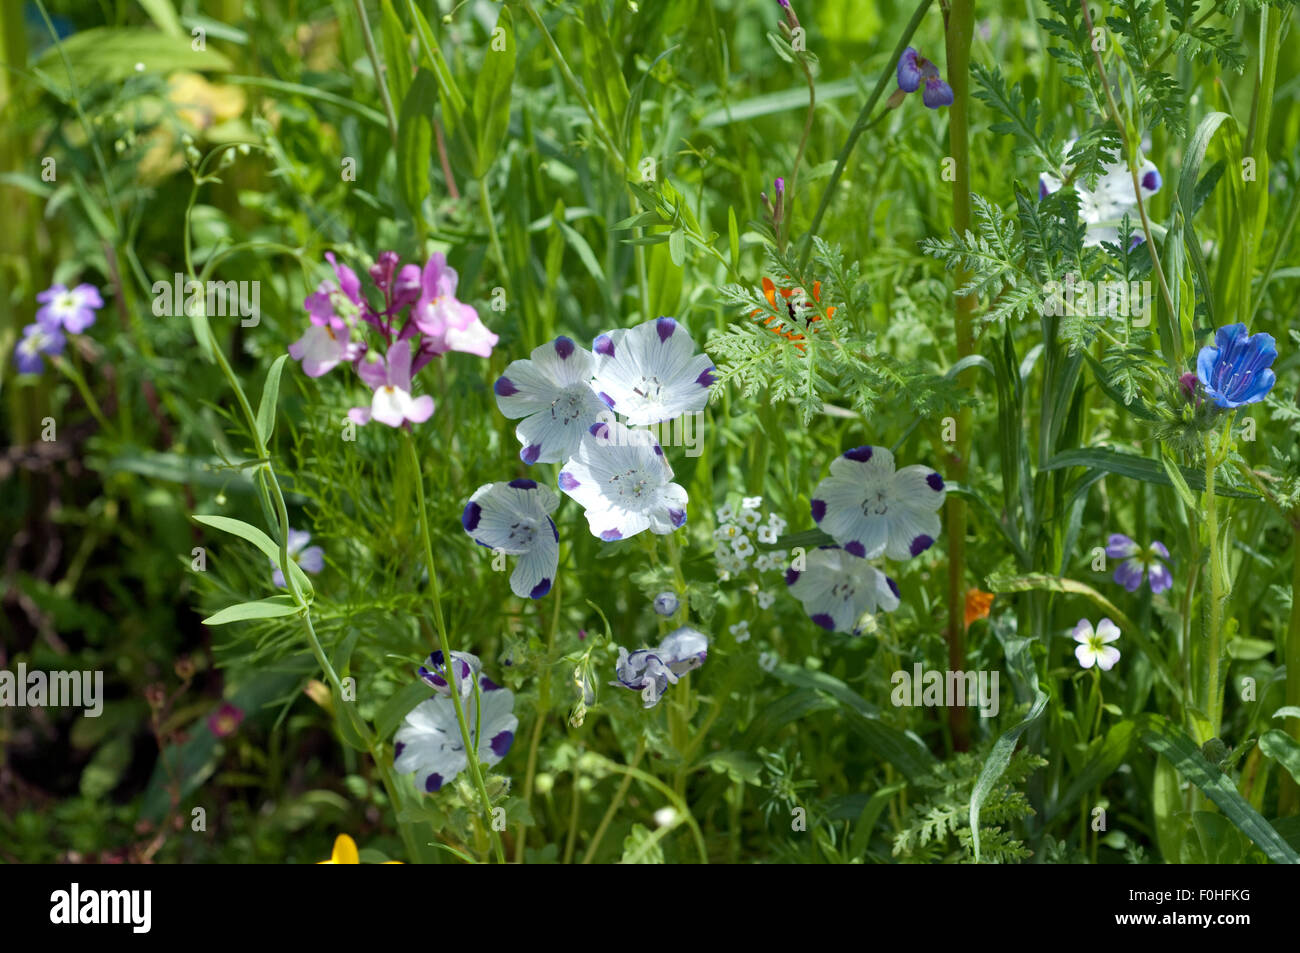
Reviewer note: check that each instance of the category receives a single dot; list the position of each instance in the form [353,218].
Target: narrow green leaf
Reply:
[270,396]
[1283,749]
[1173,743]
[273,608]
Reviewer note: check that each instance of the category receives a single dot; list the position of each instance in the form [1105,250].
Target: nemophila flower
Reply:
[391,402]
[871,510]
[624,483]
[429,743]
[515,518]
[465,668]
[309,558]
[1237,370]
[741,630]
[72,309]
[551,391]
[225,721]
[666,603]
[1139,563]
[1094,648]
[38,341]
[1102,208]
[796,314]
[651,671]
[915,70]
[450,324]
[651,373]
[837,588]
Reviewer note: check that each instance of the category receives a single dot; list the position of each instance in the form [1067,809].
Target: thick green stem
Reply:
[471,748]
[961,28]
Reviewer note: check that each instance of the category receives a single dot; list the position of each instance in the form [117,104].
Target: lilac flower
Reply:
[72,310]
[551,391]
[621,478]
[515,518]
[870,509]
[467,669]
[1094,648]
[837,588]
[38,340]
[1103,207]
[429,743]
[323,346]
[1236,370]
[1139,563]
[309,558]
[651,671]
[339,299]
[392,402]
[651,373]
[913,70]
[450,324]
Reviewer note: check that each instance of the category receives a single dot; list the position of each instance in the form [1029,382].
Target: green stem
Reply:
[614,804]
[471,749]
[1289,792]
[378,68]
[961,28]
[862,124]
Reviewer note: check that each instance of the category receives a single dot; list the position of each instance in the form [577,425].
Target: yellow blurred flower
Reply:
[345,852]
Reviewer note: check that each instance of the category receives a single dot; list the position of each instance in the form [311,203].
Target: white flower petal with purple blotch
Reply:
[551,391]
[622,480]
[871,510]
[645,672]
[429,743]
[651,373]
[683,650]
[515,518]
[466,668]
[837,588]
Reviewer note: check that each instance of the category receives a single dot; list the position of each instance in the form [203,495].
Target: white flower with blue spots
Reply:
[651,671]
[551,391]
[624,483]
[651,373]
[515,518]
[838,588]
[871,510]
[429,743]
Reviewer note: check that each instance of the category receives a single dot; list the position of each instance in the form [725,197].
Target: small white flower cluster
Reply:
[735,535]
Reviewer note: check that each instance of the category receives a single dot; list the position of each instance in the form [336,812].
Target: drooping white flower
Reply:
[624,483]
[651,373]
[871,510]
[429,744]
[837,588]
[1094,648]
[515,518]
[551,391]
[651,671]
